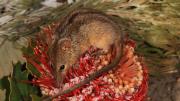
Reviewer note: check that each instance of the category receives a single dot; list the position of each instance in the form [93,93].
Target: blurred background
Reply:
[153,24]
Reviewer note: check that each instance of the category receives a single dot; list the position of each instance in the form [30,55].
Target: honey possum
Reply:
[77,32]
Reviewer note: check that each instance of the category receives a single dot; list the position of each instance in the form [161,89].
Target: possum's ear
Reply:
[64,44]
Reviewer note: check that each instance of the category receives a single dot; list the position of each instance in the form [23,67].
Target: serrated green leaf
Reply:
[32,69]
[4,84]
[15,93]
[29,51]
[20,91]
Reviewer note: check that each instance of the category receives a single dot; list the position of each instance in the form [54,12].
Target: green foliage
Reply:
[35,4]
[17,88]
[29,52]
[32,69]
[4,85]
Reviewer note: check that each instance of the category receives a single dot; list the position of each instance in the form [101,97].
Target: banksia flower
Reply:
[90,76]
[126,82]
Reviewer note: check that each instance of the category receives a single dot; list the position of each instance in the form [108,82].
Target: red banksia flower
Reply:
[127,82]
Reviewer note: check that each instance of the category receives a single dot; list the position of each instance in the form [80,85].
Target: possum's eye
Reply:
[61,67]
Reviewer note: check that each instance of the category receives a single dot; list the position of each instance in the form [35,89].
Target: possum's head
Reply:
[61,58]
[61,55]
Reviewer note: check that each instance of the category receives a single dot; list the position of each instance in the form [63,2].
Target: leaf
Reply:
[15,93]
[32,69]
[29,51]
[10,52]
[4,85]
[20,90]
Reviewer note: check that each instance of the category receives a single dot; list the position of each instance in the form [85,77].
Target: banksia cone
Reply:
[126,82]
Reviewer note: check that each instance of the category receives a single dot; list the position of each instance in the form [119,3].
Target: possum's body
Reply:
[98,34]
[77,32]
